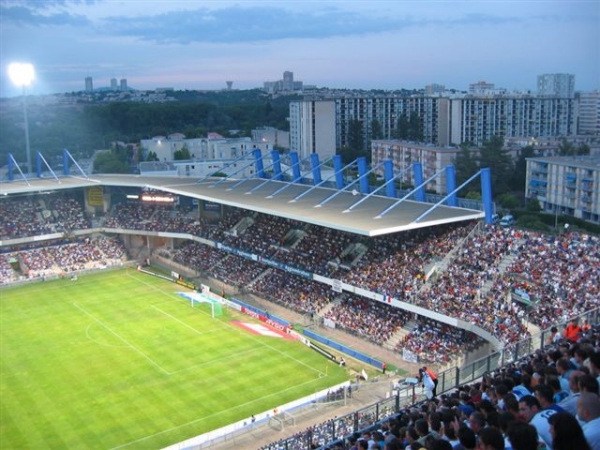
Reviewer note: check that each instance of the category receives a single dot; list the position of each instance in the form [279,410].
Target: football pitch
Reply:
[117,360]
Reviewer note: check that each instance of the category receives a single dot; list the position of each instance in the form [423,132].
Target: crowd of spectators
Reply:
[438,343]
[40,215]
[547,400]
[556,273]
[294,292]
[60,258]
[457,292]
[395,265]
[369,320]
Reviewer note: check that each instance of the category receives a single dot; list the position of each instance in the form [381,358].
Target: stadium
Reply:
[223,306]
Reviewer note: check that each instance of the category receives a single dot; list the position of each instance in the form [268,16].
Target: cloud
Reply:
[42,13]
[234,24]
[249,24]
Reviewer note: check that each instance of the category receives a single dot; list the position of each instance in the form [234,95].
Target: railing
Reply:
[364,418]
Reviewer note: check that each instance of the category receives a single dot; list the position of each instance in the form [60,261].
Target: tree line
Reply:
[84,128]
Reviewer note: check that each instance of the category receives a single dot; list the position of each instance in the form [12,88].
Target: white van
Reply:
[507,221]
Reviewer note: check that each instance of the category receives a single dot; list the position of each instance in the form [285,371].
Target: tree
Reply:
[152,156]
[565,148]
[356,137]
[465,164]
[519,176]
[583,149]
[349,154]
[508,201]
[109,162]
[493,156]
[376,129]
[533,205]
[401,131]
[182,154]
[415,127]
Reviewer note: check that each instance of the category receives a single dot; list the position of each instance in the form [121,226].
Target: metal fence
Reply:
[335,430]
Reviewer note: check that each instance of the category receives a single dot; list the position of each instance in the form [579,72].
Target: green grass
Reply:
[118,361]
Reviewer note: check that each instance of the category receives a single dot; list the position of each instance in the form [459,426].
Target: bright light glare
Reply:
[21,74]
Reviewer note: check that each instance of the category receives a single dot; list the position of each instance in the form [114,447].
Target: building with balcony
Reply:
[445,120]
[556,85]
[589,113]
[566,185]
[404,154]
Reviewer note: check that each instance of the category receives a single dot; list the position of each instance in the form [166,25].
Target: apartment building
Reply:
[404,154]
[446,120]
[589,113]
[313,128]
[213,148]
[566,185]
[556,85]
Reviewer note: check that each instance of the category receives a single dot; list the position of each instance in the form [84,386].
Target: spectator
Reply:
[588,411]
[532,413]
[567,433]
[569,403]
[467,439]
[522,436]
[491,439]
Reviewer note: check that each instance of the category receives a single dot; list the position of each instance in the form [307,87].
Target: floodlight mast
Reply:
[21,75]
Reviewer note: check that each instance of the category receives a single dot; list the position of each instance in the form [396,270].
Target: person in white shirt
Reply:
[532,412]
[588,411]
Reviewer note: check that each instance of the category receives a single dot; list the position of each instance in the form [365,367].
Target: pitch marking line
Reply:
[200,419]
[139,352]
[185,324]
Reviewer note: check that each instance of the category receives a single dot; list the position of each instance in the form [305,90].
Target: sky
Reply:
[375,44]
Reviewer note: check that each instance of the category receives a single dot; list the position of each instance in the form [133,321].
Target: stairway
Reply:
[502,267]
[400,335]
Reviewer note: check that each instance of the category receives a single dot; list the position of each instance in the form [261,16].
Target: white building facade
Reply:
[450,120]
[313,128]
[589,113]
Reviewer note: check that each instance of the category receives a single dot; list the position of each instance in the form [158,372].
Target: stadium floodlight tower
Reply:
[21,75]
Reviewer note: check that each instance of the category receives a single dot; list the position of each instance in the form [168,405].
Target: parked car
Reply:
[507,221]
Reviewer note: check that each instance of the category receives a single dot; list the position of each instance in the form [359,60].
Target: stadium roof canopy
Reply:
[368,215]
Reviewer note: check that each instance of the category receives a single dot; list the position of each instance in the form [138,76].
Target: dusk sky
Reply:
[338,44]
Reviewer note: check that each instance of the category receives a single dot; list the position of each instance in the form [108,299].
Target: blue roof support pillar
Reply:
[38,164]
[65,162]
[260,170]
[388,170]
[316,170]
[451,185]
[486,194]
[418,177]
[362,170]
[276,165]
[11,167]
[296,174]
[339,171]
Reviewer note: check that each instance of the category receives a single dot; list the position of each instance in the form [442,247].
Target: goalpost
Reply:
[280,419]
[195,297]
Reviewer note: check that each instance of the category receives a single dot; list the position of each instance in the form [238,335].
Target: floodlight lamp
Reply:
[21,74]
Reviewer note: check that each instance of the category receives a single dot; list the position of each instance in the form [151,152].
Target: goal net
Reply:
[196,298]
[281,419]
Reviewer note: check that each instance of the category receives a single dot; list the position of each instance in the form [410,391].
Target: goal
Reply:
[195,298]
[279,420]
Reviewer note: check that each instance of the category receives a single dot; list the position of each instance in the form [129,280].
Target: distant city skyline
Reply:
[337,44]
